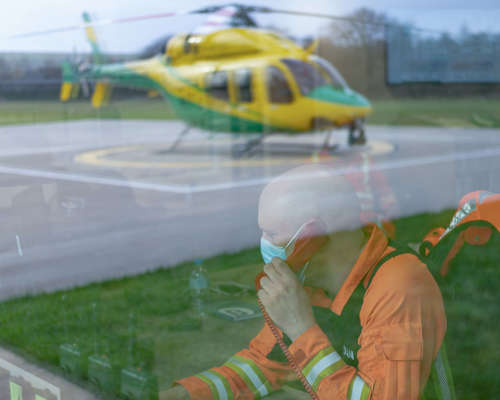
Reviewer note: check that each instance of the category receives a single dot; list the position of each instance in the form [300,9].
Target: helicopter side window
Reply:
[307,77]
[243,84]
[278,89]
[217,85]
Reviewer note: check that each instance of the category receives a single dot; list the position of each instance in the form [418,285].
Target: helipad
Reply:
[217,153]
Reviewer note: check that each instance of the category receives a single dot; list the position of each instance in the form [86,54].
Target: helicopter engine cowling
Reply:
[224,43]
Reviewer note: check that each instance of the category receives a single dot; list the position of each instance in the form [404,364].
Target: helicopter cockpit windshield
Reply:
[334,76]
[306,75]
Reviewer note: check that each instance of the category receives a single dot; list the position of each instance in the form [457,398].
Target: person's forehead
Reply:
[270,216]
[278,216]
[291,200]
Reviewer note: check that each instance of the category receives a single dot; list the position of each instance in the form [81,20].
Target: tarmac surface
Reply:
[85,201]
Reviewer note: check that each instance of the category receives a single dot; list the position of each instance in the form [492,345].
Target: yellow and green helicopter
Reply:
[233,79]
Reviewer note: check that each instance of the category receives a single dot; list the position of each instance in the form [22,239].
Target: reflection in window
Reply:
[217,86]
[243,84]
[277,86]
[331,72]
[307,77]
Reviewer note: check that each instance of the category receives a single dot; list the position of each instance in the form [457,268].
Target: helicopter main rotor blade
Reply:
[102,22]
[206,10]
[267,10]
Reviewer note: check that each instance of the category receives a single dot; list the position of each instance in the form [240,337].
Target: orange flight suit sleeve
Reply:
[403,325]
[249,374]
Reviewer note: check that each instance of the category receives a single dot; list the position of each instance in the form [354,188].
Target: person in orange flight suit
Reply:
[388,300]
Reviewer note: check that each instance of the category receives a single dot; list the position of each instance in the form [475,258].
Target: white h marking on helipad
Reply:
[186,189]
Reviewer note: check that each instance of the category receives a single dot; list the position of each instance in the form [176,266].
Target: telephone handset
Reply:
[312,236]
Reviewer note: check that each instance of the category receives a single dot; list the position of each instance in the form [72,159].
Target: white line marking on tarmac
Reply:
[36,173]
[433,135]
[186,189]
[19,248]
[40,150]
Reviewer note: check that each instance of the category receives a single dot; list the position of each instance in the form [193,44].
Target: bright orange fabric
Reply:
[478,206]
[403,325]
[486,207]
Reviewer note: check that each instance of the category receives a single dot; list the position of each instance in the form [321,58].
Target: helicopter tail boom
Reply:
[92,38]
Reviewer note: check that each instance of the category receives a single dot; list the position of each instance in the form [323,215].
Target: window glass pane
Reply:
[277,86]
[243,83]
[331,72]
[142,192]
[307,77]
[217,86]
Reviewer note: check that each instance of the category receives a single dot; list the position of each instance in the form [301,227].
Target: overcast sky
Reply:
[33,15]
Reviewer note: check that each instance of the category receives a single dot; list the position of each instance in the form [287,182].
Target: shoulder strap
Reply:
[398,250]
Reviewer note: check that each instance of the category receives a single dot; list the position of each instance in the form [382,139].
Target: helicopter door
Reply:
[282,106]
[217,88]
[242,81]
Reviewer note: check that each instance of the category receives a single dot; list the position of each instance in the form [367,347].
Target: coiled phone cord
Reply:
[285,350]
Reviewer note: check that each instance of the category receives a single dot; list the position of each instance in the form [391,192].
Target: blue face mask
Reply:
[269,250]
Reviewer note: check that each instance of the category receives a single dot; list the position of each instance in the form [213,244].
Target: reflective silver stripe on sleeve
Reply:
[221,390]
[358,385]
[254,378]
[321,365]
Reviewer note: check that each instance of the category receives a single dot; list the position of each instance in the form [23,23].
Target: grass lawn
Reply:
[30,112]
[473,112]
[173,343]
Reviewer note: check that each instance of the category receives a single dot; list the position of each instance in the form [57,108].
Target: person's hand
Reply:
[285,299]
[176,393]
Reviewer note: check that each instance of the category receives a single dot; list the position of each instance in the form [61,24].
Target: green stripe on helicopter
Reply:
[193,113]
[327,94]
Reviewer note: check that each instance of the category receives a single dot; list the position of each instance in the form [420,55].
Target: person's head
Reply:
[314,192]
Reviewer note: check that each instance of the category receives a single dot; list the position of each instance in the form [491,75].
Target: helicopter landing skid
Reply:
[239,150]
[357,134]
[178,140]
[327,146]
